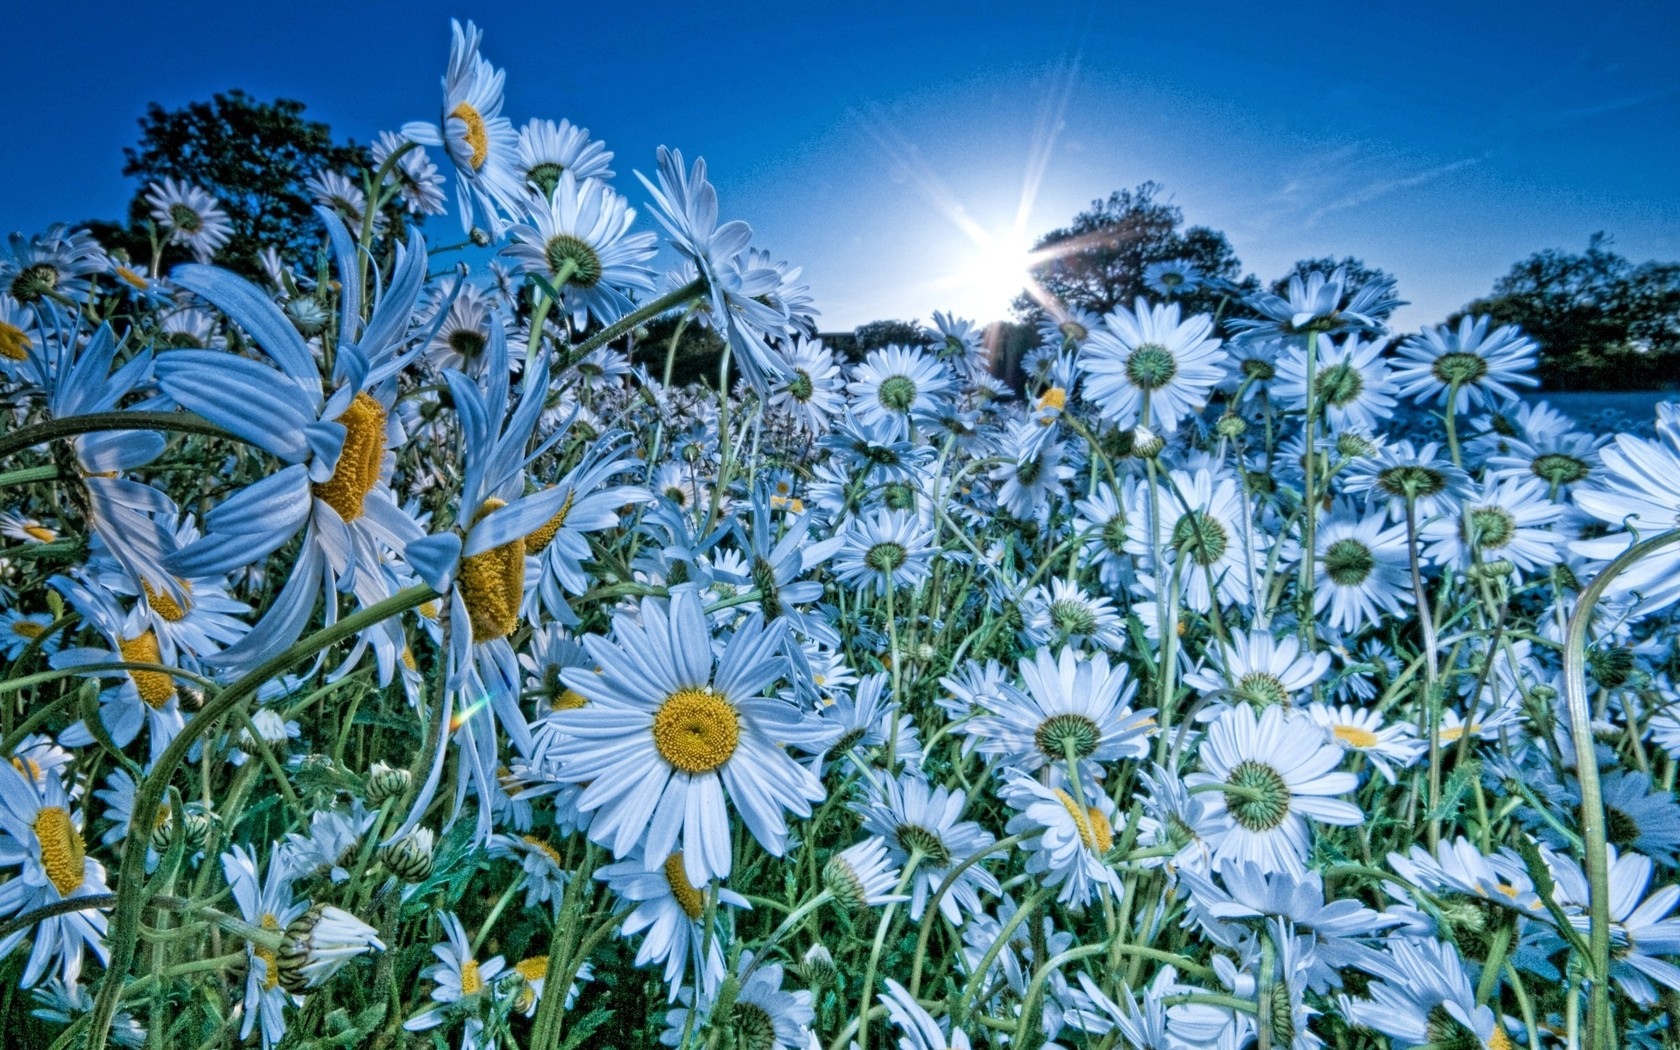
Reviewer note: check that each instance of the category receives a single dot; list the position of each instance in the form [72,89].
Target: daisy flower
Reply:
[458,976]
[1319,303]
[1363,731]
[885,550]
[1506,521]
[335,485]
[686,204]
[1641,928]
[579,239]
[460,341]
[894,384]
[1402,474]
[17,334]
[1069,705]
[419,184]
[1073,841]
[1424,998]
[1031,477]
[19,629]
[548,150]
[192,217]
[1205,527]
[1148,368]
[862,876]
[1350,384]
[923,822]
[1361,570]
[267,904]
[1265,776]
[1482,365]
[1640,493]
[921,1031]
[55,263]
[42,836]
[335,191]
[671,909]
[1640,816]
[672,734]
[1101,519]
[812,392]
[1063,613]
[481,142]
[761,1017]
[1177,277]
[590,504]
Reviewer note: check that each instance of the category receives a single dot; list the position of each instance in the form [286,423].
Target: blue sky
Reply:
[1441,142]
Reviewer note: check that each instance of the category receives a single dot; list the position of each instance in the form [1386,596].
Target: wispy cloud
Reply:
[1615,105]
[1383,186]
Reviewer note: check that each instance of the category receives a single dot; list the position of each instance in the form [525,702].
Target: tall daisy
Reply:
[548,150]
[481,142]
[922,822]
[1641,495]
[672,735]
[1149,368]
[894,384]
[1361,570]
[579,239]
[190,216]
[266,903]
[885,551]
[1351,384]
[1504,522]
[41,835]
[1264,777]
[1262,669]
[1483,365]
[1204,532]
[1068,705]
[812,392]
[457,976]
[671,909]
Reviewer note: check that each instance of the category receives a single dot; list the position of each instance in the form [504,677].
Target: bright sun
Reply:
[997,272]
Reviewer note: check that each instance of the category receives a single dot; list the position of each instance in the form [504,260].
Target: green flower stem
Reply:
[787,924]
[1431,650]
[968,1002]
[125,920]
[680,297]
[1036,987]
[38,678]
[93,422]
[1497,948]
[888,913]
[1452,423]
[1309,623]
[1600,1031]
[373,206]
[28,475]
[939,894]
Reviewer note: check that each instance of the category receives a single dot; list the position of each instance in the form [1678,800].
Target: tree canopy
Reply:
[1101,257]
[255,157]
[1601,321]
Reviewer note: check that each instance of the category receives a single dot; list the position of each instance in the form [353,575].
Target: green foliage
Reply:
[255,157]
[1602,323]
[1102,255]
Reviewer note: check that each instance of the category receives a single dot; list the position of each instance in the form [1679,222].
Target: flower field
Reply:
[392,654]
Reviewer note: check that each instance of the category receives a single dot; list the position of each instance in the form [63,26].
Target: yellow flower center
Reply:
[1095,832]
[1353,736]
[567,700]
[1054,398]
[28,629]
[358,462]
[471,982]
[536,541]
[156,688]
[165,606]
[533,970]
[696,730]
[1450,734]
[492,584]
[1499,1040]
[14,345]
[131,277]
[62,849]
[545,849]
[477,135]
[28,767]
[407,657]
[693,902]
[40,532]
[271,965]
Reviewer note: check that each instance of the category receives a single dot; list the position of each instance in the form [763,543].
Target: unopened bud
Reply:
[410,858]
[384,782]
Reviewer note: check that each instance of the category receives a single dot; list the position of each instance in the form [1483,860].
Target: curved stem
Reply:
[125,921]
[54,429]
[1593,830]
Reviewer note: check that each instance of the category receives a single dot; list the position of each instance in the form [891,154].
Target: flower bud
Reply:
[818,967]
[384,783]
[318,943]
[410,858]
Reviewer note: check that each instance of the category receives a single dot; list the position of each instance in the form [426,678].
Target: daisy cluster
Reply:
[389,658]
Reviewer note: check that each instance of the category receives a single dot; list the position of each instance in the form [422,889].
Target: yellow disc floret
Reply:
[1353,736]
[14,344]
[471,982]
[696,730]
[359,461]
[492,584]
[62,850]
[165,606]
[536,541]
[156,688]
[1095,832]
[692,901]
[477,135]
